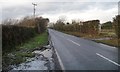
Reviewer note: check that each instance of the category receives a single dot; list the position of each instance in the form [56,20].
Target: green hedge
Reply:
[15,35]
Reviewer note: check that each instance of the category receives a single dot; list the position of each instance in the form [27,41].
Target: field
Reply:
[106,36]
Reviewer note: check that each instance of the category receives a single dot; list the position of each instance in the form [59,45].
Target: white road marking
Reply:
[108,59]
[60,61]
[52,43]
[107,46]
[73,42]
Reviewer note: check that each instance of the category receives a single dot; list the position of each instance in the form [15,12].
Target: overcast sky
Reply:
[70,9]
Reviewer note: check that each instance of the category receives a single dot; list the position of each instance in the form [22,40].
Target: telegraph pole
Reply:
[34,9]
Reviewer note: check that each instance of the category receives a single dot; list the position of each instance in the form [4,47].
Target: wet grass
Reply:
[24,54]
[102,34]
[23,51]
[111,42]
[105,33]
[39,40]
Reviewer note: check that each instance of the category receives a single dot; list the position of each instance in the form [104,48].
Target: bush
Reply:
[41,24]
[88,27]
[15,32]
[15,35]
[107,25]
[116,23]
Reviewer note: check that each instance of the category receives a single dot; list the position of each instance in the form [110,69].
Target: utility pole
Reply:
[34,9]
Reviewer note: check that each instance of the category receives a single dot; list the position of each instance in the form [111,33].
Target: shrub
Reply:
[116,23]
[15,32]
[15,35]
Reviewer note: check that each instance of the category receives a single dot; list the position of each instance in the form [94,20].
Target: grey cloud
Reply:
[54,8]
[58,7]
[77,6]
[15,11]
[106,5]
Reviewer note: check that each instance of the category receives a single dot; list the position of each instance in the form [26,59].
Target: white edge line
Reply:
[61,64]
[59,59]
[107,46]
[74,42]
[108,59]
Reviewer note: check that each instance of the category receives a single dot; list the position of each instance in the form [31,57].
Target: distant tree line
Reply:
[89,27]
[107,25]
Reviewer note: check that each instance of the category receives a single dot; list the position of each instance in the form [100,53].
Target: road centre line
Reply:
[73,42]
[108,59]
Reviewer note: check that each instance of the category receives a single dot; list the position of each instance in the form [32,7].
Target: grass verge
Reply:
[111,42]
[23,51]
[39,40]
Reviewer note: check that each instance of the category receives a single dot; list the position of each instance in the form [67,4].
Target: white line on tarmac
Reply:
[73,42]
[107,46]
[60,61]
[108,59]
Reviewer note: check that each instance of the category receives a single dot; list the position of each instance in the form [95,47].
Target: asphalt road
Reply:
[80,54]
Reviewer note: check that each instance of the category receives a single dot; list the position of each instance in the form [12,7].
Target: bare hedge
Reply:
[15,35]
